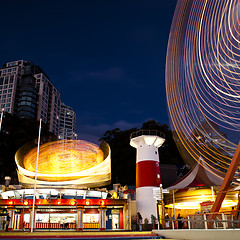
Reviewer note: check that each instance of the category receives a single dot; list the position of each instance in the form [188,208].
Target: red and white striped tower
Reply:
[148,177]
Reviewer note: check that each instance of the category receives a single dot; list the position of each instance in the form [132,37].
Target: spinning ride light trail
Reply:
[202,80]
[65,162]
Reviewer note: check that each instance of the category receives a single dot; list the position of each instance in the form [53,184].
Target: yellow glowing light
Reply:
[62,157]
[65,162]
[196,204]
[73,202]
[149,140]
[158,142]
[115,195]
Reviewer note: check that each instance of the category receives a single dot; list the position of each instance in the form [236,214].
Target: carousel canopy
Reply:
[200,175]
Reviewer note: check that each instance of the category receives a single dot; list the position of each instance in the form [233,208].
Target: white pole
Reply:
[212,194]
[174,213]
[34,196]
[1,119]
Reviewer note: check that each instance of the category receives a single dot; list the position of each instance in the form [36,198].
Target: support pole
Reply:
[34,196]
[227,181]
[174,211]
[238,205]
[1,119]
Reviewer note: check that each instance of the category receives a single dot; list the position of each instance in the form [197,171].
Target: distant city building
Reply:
[67,123]
[25,90]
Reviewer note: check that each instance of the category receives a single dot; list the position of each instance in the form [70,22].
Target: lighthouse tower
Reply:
[148,177]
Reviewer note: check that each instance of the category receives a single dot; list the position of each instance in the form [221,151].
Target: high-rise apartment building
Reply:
[67,123]
[25,90]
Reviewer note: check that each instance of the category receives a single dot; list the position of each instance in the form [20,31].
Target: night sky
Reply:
[106,57]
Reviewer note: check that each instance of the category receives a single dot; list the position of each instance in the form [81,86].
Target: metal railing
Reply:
[147,132]
[226,220]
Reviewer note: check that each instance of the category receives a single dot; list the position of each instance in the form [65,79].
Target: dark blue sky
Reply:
[106,57]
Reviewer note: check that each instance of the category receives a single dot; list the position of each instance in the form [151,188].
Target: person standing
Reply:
[7,222]
[61,223]
[180,223]
[139,219]
[3,223]
[167,223]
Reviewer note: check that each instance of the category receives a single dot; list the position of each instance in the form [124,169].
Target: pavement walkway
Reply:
[78,235]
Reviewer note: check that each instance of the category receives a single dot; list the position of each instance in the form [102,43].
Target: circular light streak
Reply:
[88,203]
[65,163]
[202,80]
[25,203]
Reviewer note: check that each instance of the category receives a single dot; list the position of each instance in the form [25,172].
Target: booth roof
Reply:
[200,175]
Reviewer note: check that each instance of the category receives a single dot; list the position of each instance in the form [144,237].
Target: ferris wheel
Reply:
[203,81]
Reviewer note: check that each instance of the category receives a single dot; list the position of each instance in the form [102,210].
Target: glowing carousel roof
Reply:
[65,163]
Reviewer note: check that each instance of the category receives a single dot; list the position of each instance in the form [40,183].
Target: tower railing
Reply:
[147,132]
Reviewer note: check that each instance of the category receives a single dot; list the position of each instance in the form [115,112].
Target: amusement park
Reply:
[66,186]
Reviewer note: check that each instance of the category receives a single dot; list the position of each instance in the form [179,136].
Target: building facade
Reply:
[67,123]
[64,209]
[25,90]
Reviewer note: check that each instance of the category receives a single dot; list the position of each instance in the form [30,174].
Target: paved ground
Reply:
[78,235]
